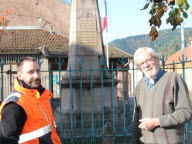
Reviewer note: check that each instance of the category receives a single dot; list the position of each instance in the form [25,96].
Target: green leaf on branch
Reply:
[179,3]
[155,20]
[146,6]
[185,15]
[174,18]
[177,12]
[186,5]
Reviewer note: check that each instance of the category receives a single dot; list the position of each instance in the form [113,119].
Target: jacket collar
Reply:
[31,92]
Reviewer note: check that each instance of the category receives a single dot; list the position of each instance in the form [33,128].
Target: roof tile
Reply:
[30,39]
[176,57]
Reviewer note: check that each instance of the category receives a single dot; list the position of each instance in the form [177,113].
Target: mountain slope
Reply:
[167,43]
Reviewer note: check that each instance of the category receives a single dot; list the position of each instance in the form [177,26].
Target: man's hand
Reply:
[149,123]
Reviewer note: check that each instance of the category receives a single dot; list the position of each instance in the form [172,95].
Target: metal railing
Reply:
[92,106]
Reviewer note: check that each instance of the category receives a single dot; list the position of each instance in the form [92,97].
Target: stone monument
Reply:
[82,87]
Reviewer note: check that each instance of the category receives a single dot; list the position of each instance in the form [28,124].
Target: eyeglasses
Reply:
[147,61]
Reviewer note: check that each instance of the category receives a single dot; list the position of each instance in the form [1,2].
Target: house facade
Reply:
[181,62]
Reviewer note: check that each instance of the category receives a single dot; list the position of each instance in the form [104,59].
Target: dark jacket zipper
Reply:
[43,112]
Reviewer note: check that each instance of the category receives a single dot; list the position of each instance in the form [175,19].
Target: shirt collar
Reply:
[157,77]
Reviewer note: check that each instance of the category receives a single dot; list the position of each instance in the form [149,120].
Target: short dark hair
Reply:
[20,63]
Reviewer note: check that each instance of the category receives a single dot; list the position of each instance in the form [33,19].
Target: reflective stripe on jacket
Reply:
[40,121]
[35,134]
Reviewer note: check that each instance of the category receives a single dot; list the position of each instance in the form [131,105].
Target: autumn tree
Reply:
[177,11]
[3,21]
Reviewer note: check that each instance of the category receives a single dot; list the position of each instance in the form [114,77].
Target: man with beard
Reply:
[26,115]
[164,101]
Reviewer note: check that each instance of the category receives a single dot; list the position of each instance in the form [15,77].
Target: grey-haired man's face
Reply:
[148,64]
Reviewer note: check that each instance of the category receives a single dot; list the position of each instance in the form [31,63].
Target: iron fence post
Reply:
[2,79]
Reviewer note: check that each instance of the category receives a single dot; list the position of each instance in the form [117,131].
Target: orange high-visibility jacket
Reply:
[39,120]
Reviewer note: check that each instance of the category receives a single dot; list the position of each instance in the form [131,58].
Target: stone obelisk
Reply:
[85,42]
[85,50]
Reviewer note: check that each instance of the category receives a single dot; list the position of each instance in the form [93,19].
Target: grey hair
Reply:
[142,50]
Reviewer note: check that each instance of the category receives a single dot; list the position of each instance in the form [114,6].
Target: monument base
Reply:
[87,96]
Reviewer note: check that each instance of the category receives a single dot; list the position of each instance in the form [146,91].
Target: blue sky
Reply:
[126,19]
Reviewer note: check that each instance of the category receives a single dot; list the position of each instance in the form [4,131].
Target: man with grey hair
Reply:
[164,101]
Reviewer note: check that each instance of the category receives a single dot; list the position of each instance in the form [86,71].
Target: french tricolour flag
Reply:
[104,16]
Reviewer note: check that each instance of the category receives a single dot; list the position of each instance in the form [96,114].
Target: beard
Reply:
[151,73]
[33,84]
[36,83]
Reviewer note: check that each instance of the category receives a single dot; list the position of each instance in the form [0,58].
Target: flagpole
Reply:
[105,26]
[107,47]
